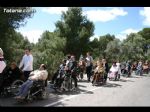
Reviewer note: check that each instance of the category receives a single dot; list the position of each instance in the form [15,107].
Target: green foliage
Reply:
[98,46]
[133,47]
[48,50]
[8,23]
[145,33]
[18,44]
[76,29]
[113,50]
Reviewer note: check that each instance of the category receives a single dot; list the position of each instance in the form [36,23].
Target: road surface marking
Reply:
[54,103]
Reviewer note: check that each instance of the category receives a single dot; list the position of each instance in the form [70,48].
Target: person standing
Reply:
[139,68]
[128,68]
[2,67]
[119,68]
[106,67]
[27,63]
[73,70]
[89,65]
[2,63]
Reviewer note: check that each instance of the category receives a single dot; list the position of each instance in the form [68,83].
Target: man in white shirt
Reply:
[27,63]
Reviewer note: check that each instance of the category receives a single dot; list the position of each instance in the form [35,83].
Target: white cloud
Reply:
[55,10]
[32,35]
[122,35]
[105,15]
[130,30]
[93,37]
[146,14]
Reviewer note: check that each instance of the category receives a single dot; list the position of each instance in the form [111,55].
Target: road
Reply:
[133,91]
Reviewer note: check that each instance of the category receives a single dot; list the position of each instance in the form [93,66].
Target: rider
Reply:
[36,75]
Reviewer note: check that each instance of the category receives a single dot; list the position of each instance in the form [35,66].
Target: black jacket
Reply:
[11,75]
[106,67]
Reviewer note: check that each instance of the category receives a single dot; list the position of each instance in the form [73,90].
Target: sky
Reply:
[118,21]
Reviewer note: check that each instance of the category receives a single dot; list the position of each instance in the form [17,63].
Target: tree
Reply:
[48,50]
[145,33]
[17,46]
[98,46]
[9,21]
[133,46]
[113,50]
[77,30]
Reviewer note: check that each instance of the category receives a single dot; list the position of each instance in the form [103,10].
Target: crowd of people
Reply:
[70,65]
[25,72]
[86,65]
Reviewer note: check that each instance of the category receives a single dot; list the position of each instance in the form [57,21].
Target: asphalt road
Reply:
[133,91]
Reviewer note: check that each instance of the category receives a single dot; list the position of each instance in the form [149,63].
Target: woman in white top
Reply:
[2,63]
[113,71]
[2,67]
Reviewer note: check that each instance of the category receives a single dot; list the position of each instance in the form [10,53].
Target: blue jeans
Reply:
[25,88]
[139,72]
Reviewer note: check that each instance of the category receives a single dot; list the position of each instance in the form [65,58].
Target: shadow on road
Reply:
[74,92]
[132,76]
[83,81]
[146,75]
[111,85]
[79,85]
[123,80]
[38,103]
